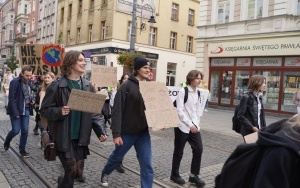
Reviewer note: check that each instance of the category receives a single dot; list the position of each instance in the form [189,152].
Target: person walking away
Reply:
[19,101]
[73,127]
[7,78]
[130,127]
[251,109]
[189,130]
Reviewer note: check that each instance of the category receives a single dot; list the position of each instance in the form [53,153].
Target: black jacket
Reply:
[53,113]
[248,113]
[128,115]
[272,162]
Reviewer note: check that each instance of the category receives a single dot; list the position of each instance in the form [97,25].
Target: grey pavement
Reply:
[218,139]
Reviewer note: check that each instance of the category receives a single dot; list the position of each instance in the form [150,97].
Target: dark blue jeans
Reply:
[18,124]
[142,145]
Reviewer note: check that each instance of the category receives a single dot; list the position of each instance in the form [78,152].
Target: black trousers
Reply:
[180,140]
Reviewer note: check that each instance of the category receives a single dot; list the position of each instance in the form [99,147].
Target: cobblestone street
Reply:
[218,139]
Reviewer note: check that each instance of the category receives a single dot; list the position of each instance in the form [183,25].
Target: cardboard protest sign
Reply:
[251,138]
[86,101]
[104,76]
[42,57]
[173,93]
[160,112]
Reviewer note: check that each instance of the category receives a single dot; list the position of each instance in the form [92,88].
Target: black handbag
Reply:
[48,141]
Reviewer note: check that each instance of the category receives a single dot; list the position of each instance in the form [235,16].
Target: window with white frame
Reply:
[191,17]
[90,32]
[152,36]
[129,31]
[49,30]
[298,8]
[25,9]
[255,9]
[223,11]
[33,7]
[23,28]
[78,36]
[44,31]
[171,74]
[175,9]
[11,35]
[11,19]
[80,7]
[173,40]
[92,4]
[103,30]
[52,29]
[33,25]
[189,44]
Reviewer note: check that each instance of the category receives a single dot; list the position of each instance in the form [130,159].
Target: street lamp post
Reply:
[133,23]
[132,34]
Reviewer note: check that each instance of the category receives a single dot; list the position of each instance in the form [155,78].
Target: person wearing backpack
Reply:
[189,129]
[251,109]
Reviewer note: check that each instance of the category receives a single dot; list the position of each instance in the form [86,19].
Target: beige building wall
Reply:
[116,32]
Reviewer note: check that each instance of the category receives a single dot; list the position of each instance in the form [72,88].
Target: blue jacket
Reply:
[16,103]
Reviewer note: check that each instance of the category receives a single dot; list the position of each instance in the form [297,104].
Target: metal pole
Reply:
[132,35]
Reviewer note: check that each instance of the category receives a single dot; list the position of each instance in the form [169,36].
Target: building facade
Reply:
[102,29]
[238,39]
[46,25]
[19,25]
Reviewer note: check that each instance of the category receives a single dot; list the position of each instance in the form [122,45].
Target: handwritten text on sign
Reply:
[160,112]
[86,101]
[104,76]
[42,57]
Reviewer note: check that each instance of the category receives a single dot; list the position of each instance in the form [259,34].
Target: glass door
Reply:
[226,87]
[241,85]
[214,86]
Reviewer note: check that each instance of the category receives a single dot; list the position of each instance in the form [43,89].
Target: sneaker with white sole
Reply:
[104,179]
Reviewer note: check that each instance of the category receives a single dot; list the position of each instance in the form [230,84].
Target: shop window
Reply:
[291,84]
[171,74]
[271,92]
[223,11]
[226,87]
[153,65]
[241,85]
[102,60]
[255,8]
[214,85]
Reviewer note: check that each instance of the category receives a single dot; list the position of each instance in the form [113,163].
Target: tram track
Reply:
[39,179]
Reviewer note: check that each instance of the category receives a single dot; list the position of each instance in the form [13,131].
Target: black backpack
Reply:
[236,124]
[186,95]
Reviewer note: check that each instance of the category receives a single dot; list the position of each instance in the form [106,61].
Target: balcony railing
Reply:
[8,43]
[21,37]
[21,17]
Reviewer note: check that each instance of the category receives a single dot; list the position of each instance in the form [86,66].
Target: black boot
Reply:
[6,145]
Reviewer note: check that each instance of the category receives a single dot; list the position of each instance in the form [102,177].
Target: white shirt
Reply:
[259,109]
[188,113]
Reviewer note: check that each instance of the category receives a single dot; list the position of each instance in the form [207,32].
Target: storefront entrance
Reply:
[229,80]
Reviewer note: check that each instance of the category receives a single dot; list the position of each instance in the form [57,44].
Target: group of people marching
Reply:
[128,123]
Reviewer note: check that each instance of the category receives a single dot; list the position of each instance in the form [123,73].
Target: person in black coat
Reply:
[272,162]
[251,110]
[73,127]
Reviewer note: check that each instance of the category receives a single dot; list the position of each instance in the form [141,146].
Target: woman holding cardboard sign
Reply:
[73,127]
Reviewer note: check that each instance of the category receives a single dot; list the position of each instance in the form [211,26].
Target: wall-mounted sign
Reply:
[255,47]
[292,61]
[267,61]
[222,62]
[245,61]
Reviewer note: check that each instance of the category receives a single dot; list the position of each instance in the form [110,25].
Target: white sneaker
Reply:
[205,110]
[104,179]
